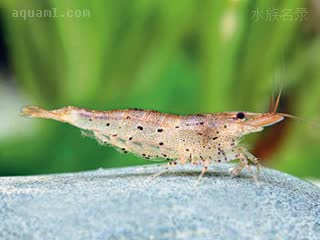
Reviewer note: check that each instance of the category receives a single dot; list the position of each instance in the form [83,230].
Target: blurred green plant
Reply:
[172,56]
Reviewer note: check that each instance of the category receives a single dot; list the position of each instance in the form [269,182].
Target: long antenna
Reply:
[277,101]
[272,96]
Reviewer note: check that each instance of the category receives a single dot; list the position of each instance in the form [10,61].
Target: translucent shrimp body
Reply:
[199,139]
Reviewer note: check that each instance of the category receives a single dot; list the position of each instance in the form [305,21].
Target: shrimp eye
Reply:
[241,115]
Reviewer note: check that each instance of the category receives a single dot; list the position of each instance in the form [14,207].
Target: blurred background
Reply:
[173,56]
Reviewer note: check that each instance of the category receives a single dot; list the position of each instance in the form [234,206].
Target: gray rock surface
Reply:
[128,204]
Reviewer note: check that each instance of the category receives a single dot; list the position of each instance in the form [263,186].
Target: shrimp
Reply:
[199,139]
